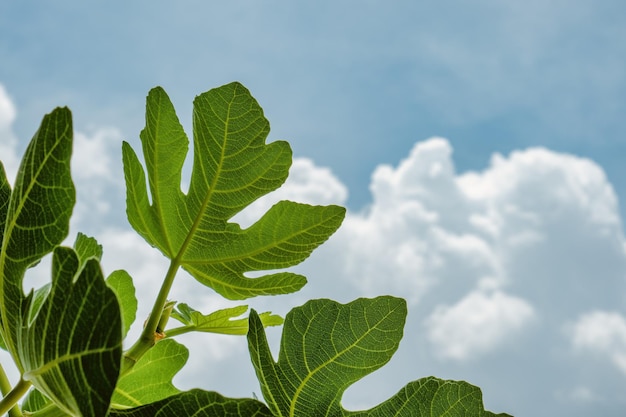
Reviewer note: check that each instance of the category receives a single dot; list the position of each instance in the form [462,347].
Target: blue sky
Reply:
[524,248]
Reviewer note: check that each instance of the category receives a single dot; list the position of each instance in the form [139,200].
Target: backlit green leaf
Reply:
[232,167]
[122,284]
[327,346]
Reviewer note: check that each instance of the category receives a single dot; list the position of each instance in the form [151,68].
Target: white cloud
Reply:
[416,233]
[602,333]
[477,324]
[537,179]
[98,177]
[93,153]
[529,237]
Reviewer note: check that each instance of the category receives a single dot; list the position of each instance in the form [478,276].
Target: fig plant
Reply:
[66,338]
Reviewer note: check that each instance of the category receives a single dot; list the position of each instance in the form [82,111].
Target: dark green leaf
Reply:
[232,167]
[198,403]
[432,397]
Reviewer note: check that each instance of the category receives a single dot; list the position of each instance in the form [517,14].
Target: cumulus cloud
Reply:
[602,333]
[535,230]
[98,177]
[93,154]
[416,234]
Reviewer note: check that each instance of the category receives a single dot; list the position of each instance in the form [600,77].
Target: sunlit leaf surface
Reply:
[232,167]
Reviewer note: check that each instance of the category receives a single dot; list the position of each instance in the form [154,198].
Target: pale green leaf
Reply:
[223,321]
[122,284]
[198,403]
[150,379]
[326,347]
[232,167]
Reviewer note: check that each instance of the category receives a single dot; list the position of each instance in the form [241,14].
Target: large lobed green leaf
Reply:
[66,337]
[232,167]
[327,346]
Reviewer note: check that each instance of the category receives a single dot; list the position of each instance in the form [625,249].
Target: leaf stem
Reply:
[177,331]
[148,337]
[8,403]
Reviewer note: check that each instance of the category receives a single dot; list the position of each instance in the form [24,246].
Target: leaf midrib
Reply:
[178,259]
[157,189]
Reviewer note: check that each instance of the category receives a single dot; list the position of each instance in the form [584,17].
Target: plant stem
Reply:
[148,336]
[12,397]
